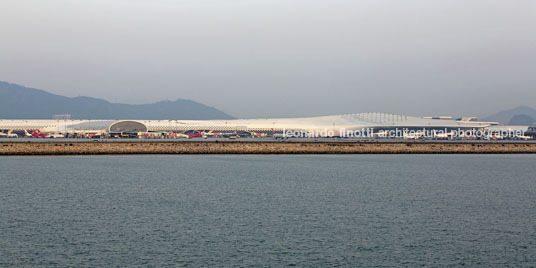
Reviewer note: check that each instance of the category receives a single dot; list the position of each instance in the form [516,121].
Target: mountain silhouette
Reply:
[504,117]
[19,102]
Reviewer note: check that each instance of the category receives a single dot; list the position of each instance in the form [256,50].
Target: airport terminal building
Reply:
[376,122]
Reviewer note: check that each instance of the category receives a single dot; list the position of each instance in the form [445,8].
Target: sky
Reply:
[279,58]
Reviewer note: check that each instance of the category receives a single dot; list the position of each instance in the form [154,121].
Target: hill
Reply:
[504,117]
[18,102]
[521,120]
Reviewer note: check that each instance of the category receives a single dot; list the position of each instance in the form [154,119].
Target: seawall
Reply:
[100,148]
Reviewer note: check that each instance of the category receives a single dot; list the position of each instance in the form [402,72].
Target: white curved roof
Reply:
[348,121]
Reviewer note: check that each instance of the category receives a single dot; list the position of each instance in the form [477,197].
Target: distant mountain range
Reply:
[522,115]
[18,102]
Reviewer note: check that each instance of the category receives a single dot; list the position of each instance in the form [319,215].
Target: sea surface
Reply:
[268,211]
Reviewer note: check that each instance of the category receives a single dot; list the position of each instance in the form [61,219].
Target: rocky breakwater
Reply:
[96,148]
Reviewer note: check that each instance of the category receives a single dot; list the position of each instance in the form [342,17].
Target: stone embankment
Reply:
[99,148]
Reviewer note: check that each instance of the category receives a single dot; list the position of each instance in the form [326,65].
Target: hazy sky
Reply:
[267,58]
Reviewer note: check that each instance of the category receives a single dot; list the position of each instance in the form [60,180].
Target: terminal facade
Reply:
[375,123]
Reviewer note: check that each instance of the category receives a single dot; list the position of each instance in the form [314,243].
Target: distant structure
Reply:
[61,117]
[356,121]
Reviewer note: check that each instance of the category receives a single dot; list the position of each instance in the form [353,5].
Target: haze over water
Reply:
[279,58]
[306,211]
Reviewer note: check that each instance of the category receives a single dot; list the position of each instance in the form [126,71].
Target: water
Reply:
[268,211]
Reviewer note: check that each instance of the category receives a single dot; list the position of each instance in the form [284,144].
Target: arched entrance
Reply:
[127,128]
